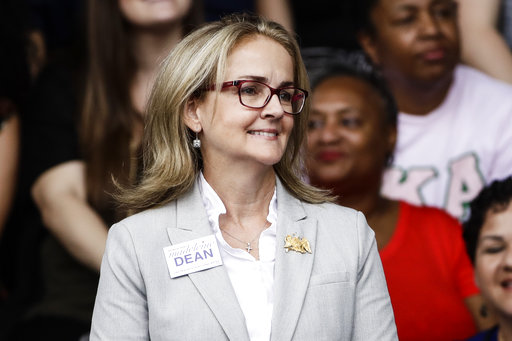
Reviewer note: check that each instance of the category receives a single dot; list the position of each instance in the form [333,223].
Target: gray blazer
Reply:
[336,293]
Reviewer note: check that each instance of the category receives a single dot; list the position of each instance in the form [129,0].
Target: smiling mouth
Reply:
[263,133]
[507,284]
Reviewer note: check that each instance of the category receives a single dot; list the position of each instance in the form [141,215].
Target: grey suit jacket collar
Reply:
[291,274]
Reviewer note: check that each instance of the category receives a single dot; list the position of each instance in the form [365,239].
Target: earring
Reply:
[483,311]
[197,142]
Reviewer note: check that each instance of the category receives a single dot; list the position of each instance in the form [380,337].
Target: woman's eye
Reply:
[445,11]
[249,90]
[252,89]
[406,20]
[285,96]
[315,124]
[350,122]
[493,249]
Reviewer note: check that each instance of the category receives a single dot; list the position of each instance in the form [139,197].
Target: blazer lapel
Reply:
[213,284]
[292,269]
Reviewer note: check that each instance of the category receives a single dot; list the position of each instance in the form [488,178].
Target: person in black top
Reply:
[85,128]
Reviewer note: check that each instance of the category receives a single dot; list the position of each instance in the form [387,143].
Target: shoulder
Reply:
[326,212]
[148,222]
[329,212]
[7,110]
[429,219]
[329,208]
[142,236]
[339,222]
[477,83]
[427,212]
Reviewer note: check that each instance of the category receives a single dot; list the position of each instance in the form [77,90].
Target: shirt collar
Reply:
[215,207]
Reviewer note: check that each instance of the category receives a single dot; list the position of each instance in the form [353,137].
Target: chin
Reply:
[504,306]
[325,181]
[330,176]
[269,161]
[268,157]
[437,73]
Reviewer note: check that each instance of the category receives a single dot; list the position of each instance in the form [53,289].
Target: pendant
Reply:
[249,248]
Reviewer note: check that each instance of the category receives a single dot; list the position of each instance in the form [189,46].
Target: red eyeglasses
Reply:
[255,94]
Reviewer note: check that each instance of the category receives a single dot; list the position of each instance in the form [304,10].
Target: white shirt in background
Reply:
[444,158]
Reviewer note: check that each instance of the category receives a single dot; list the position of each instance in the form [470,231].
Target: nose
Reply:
[429,24]
[330,133]
[273,109]
[507,259]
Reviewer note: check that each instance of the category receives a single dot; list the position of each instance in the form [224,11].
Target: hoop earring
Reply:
[196,143]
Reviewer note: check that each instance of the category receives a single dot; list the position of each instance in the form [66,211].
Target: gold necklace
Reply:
[248,247]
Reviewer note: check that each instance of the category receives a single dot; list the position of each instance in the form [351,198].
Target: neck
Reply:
[366,202]
[371,204]
[505,328]
[419,98]
[151,47]
[246,194]
[153,44]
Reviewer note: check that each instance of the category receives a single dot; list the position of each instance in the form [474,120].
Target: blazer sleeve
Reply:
[374,319]
[120,311]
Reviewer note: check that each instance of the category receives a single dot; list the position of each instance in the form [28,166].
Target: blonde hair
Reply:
[170,163]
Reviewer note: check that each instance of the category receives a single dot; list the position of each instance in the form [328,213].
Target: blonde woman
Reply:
[229,243]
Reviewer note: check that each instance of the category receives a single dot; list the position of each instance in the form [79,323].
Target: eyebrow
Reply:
[404,8]
[265,80]
[493,238]
[411,7]
[343,111]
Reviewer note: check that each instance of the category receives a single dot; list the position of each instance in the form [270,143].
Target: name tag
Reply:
[192,256]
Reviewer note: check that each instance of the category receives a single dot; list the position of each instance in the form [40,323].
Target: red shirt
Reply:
[429,274]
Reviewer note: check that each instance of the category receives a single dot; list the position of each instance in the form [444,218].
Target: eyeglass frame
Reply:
[238,84]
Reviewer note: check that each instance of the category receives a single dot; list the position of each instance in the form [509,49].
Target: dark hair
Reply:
[14,68]
[495,197]
[339,63]
[363,20]
[108,115]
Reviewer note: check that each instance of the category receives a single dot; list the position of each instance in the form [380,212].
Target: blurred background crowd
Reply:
[409,122]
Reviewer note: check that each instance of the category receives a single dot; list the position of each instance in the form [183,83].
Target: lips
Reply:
[433,55]
[329,156]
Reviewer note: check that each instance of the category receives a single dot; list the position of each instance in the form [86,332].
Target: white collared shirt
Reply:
[252,280]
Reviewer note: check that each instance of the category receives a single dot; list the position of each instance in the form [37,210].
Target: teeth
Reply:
[262,133]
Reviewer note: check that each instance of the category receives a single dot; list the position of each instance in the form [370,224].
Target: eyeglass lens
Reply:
[255,95]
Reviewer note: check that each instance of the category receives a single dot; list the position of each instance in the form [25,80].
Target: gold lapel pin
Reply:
[296,244]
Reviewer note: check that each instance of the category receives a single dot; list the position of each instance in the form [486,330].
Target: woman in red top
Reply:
[352,133]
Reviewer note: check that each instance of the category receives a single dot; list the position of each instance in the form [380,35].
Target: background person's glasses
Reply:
[256,95]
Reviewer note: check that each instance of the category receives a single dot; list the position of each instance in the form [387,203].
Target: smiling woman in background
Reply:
[221,183]
[351,137]
[488,235]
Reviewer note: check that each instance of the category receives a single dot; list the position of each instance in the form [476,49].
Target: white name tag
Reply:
[192,256]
